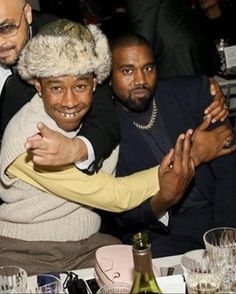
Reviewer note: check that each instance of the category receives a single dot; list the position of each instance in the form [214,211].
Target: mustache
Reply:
[143,87]
[4,48]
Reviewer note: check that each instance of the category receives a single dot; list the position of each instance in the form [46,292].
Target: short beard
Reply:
[131,105]
[13,61]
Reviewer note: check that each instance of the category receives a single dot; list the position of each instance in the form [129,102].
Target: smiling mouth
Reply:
[69,115]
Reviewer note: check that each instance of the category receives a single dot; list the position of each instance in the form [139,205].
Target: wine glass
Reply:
[221,247]
[200,274]
[13,279]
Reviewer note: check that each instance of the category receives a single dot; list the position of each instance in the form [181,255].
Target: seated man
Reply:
[38,230]
[100,131]
[152,113]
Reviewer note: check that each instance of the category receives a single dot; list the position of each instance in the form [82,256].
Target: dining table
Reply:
[169,283]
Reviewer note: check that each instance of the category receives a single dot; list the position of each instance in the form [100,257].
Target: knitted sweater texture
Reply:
[29,213]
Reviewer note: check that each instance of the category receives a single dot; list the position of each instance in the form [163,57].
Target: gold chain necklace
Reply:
[152,118]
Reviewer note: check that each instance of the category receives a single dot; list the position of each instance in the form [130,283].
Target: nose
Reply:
[69,99]
[139,78]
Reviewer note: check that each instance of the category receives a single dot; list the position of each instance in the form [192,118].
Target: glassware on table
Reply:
[13,279]
[115,288]
[48,284]
[221,247]
[200,274]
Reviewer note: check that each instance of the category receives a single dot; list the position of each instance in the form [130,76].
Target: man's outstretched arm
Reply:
[106,192]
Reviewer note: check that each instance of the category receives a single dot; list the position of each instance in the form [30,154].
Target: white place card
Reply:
[230,56]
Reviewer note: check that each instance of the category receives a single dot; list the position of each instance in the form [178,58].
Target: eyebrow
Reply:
[7,20]
[58,80]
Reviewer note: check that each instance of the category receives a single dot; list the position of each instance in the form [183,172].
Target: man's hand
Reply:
[218,109]
[210,144]
[175,173]
[50,148]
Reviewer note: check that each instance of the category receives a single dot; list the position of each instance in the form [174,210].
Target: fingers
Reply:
[37,140]
[44,130]
[167,162]
[217,110]
[205,124]
[183,151]
[178,151]
[228,150]
[214,86]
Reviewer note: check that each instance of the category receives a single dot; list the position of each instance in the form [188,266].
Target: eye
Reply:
[127,71]
[80,87]
[56,89]
[149,68]
[7,28]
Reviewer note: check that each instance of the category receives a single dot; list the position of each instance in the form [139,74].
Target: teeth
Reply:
[69,115]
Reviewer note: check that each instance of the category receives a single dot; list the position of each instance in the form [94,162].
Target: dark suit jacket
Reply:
[100,125]
[178,42]
[181,103]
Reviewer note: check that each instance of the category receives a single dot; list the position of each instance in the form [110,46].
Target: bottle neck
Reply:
[142,260]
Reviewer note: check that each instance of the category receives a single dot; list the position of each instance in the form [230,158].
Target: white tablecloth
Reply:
[171,284]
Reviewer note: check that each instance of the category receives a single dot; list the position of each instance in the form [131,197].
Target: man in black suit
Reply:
[100,128]
[152,113]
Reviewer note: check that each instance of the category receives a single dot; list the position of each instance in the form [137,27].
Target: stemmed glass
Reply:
[221,247]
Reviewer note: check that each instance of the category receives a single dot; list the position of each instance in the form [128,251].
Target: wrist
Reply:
[196,160]
[79,150]
[159,205]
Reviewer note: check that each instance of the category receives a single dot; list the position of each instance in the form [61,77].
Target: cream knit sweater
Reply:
[29,213]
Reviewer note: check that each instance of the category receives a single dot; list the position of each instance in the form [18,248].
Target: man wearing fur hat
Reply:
[38,230]
[100,131]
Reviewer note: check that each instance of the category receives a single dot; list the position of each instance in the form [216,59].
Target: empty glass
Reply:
[13,279]
[200,274]
[48,284]
[221,247]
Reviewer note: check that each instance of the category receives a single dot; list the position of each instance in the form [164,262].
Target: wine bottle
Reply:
[144,279]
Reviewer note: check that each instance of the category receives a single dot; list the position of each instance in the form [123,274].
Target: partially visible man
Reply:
[152,113]
[99,133]
[65,62]
[179,44]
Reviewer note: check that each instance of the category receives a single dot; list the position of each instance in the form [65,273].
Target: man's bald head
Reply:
[15,18]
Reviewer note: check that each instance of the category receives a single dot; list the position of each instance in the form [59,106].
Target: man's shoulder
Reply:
[24,121]
[182,81]
[183,86]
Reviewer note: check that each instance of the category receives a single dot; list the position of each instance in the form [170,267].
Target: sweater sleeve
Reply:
[100,190]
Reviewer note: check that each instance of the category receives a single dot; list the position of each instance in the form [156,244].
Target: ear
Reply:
[28,13]
[94,84]
[37,85]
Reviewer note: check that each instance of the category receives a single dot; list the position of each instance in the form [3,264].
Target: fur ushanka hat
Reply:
[63,48]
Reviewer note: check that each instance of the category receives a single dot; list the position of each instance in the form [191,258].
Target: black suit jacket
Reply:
[100,126]
[181,102]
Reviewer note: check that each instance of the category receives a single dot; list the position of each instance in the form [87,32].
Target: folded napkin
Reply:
[172,284]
